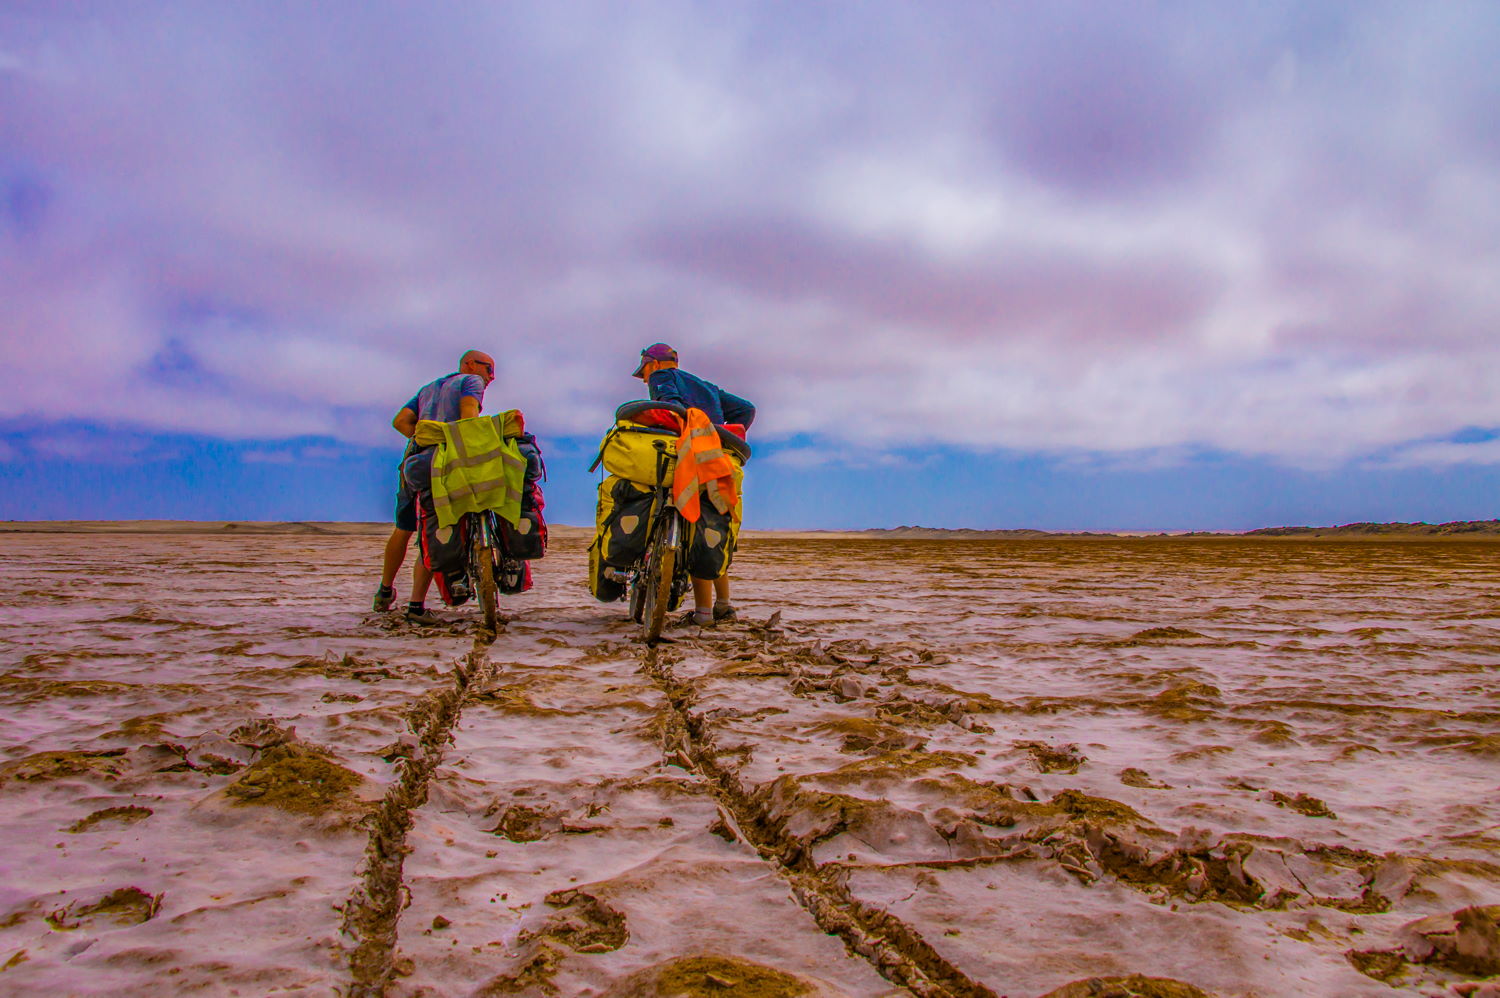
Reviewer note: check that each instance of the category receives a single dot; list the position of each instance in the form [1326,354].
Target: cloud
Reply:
[1444,454]
[1058,230]
[832,454]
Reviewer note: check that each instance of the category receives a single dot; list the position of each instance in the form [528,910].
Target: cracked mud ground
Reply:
[1014,768]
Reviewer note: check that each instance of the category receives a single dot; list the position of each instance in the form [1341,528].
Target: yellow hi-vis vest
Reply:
[475,467]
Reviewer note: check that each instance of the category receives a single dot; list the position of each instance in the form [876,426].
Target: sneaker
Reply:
[697,618]
[725,611]
[423,617]
[385,596]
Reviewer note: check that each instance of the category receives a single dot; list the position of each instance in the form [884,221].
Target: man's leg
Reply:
[723,609]
[395,554]
[419,482]
[421,579]
[711,600]
[703,596]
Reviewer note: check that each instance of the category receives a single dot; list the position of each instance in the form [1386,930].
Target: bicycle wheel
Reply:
[658,584]
[638,598]
[482,568]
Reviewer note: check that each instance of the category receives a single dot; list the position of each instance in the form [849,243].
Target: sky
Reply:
[1075,265]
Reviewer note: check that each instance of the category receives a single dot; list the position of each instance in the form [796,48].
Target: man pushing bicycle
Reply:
[666,382]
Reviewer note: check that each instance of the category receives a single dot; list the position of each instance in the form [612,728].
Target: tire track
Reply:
[374,908]
[896,950]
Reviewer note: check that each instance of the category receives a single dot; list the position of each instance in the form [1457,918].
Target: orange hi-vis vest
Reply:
[702,464]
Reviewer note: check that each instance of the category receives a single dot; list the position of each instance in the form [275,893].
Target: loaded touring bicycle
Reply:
[644,549]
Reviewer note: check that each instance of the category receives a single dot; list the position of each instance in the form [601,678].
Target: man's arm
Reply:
[663,387]
[405,423]
[471,396]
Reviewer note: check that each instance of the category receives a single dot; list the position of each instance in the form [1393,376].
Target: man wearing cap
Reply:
[666,382]
[459,395]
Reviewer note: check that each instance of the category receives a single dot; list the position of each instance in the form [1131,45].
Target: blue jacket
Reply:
[673,384]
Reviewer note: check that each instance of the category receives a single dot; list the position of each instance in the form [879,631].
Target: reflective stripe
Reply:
[465,491]
[475,460]
[716,496]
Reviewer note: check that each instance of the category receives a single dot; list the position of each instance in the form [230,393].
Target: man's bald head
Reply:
[477,362]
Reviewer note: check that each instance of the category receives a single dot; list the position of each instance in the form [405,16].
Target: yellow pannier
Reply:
[629,451]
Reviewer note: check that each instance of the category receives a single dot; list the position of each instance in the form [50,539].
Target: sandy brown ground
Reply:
[946,768]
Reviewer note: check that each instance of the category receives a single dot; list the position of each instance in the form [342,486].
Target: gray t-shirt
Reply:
[439,399]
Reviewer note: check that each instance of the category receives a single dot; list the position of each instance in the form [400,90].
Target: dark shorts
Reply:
[416,475]
[406,509]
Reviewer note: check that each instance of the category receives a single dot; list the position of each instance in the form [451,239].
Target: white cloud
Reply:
[1446,455]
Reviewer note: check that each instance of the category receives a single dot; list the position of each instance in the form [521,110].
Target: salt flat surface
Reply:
[946,768]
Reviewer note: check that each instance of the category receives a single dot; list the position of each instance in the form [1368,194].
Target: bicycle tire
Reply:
[637,599]
[482,567]
[659,589]
[630,410]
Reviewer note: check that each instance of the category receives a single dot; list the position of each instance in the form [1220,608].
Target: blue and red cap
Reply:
[656,351]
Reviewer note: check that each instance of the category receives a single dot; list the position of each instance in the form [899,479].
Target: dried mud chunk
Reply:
[860,734]
[126,906]
[1302,804]
[1100,809]
[1132,777]
[294,778]
[347,667]
[515,698]
[1053,759]
[523,823]
[535,975]
[127,815]
[585,924]
[1195,870]
[711,975]
[1379,965]
[1186,702]
[1133,986]
[1273,733]
[57,765]
[261,733]
[757,666]
[911,712]
[1201,752]
[1466,941]
[1152,635]
[896,766]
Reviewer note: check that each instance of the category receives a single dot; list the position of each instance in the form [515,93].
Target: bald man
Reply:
[459,395]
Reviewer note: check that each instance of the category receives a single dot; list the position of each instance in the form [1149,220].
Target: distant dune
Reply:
[190,527]
[1458,529]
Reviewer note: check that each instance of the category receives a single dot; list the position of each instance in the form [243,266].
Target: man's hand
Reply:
[405,423]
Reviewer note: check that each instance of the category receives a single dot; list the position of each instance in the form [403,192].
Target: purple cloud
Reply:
[1072,229]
